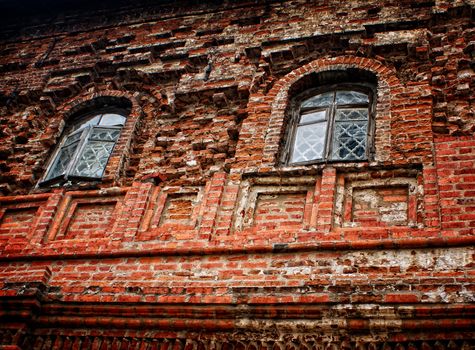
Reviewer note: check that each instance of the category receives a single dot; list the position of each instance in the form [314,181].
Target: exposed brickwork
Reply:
[379,206]
[456,171]
[199,235]
[380,199]
[16,223]
[89,220]
[273,211]
[51,342]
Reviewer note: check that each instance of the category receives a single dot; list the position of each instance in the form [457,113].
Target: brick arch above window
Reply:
[88,104]
[262,132]
[301,79]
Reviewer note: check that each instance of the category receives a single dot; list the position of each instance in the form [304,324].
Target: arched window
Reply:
[330,125]
[85,147]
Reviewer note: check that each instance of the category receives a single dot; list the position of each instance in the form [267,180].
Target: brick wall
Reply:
[455,164]
[199,236]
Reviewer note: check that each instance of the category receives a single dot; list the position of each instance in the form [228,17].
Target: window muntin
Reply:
[332,125]
[85,148]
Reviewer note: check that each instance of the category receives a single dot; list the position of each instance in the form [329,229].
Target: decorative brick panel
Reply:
[16,223]
[380,206]
[275,204]
[382,201]
[275,210]
[22,219]
[89,220]
[86,215]
[178,210]
[171,210]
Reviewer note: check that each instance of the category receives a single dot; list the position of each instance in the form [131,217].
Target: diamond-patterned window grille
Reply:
[85,149]
[333,125]
[93,159]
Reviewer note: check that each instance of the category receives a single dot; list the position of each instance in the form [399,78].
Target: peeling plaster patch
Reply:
[401,36]
[362,202]
[274,200]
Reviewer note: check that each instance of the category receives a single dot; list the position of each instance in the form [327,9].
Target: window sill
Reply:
[70,185]
[317,168]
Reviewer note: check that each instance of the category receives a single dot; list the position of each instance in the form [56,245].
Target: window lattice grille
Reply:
[333,125]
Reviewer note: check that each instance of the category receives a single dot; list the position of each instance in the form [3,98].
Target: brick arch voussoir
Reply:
[386,77]
[76,103]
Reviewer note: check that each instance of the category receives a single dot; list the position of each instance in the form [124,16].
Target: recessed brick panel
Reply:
[90,220]
[87,216]
[178,209]
[383,205]
[16,223]
[275,203]
[275,210]
[379,199]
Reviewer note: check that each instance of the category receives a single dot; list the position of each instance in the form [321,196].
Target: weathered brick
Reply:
[199,236]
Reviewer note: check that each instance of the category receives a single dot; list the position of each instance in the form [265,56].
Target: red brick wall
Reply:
[380,206]
[198,237]
[15,225]
[273,211]
[456,171]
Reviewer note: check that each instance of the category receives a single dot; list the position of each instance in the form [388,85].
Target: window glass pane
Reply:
[72,138]
[351,97]
[112,119]
[86,122]
[352,114]
[62,160]
[321,100]
[349,140]
[313,117]
[93,159]
[309,142]
[103,134]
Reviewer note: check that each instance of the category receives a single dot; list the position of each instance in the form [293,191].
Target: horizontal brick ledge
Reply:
[25,198]
[190,324]
[265,310]
[409,243]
